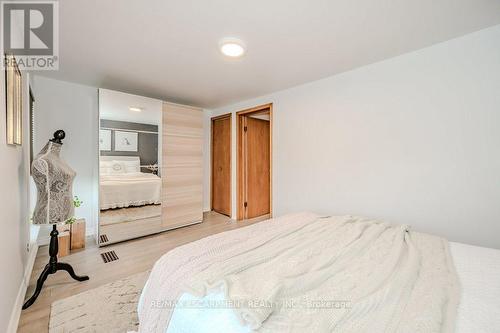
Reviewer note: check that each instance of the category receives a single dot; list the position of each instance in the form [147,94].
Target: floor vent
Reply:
[103,239]
[109,256]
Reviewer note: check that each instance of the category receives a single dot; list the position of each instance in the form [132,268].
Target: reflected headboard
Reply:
[131,163]
[120,158]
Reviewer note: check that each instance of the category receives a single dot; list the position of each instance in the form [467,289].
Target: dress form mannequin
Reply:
[54,182]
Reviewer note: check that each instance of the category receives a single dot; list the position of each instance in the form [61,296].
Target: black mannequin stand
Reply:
[52,267]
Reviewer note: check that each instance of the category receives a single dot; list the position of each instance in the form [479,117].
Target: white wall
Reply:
[414,139]
[73,108]
[14,216]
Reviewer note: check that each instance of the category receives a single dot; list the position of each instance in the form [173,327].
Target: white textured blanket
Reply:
[303,273]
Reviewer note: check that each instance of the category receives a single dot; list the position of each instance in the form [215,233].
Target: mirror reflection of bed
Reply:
[129,172]
[130,199]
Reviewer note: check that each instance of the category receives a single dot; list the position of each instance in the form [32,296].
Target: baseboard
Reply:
[16,310]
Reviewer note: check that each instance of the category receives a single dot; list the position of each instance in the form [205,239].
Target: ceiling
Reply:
[114,105]
[169,49]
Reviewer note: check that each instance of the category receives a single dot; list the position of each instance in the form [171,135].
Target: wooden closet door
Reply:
[257,167]
[221,165]
[182,165]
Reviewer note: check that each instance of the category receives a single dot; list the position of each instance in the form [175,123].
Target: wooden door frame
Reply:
[239,157]
[222,116]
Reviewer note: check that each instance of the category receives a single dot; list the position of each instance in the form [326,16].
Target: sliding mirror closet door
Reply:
[182,165]
[130,166]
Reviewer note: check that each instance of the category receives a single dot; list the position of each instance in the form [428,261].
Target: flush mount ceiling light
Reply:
[232,47]
[135,109]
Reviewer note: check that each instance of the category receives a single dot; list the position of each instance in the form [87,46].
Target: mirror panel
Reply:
[129,166]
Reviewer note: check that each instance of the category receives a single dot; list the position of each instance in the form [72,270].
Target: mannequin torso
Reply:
[54,183]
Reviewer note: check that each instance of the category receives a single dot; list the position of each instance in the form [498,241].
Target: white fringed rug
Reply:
[111,308]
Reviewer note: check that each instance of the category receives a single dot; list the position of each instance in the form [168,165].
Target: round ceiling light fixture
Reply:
[232,47]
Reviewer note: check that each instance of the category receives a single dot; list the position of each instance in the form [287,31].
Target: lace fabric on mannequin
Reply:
[54,183]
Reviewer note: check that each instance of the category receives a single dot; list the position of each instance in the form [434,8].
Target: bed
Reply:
[122,184]
[454,288]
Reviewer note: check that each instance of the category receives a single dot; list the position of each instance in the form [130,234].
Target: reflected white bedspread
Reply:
[129,189]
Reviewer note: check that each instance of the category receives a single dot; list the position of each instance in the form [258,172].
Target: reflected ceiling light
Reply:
[232,47]
[135,109]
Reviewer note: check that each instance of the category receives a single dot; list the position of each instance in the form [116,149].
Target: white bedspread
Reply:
[129,189]
[478,269]
[366,275]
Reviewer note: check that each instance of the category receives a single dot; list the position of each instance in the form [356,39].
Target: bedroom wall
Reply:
[17,254]
[414,139]
[73,108]
[147,141]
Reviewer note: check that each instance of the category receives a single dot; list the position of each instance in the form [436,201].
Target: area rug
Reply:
[118,215]
[111,308]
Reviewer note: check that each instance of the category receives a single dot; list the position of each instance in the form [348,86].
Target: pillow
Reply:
[117,168]
[131,166]
[105,167]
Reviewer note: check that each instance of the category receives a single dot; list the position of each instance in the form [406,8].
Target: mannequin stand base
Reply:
[52,267]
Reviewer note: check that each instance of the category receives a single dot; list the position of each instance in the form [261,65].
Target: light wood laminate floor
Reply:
[135,256]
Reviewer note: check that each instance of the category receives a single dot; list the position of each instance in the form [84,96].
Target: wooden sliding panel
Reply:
[182,165]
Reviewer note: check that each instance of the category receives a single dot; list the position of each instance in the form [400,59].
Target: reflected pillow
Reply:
[131,166]
[117,167]
[105,167]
